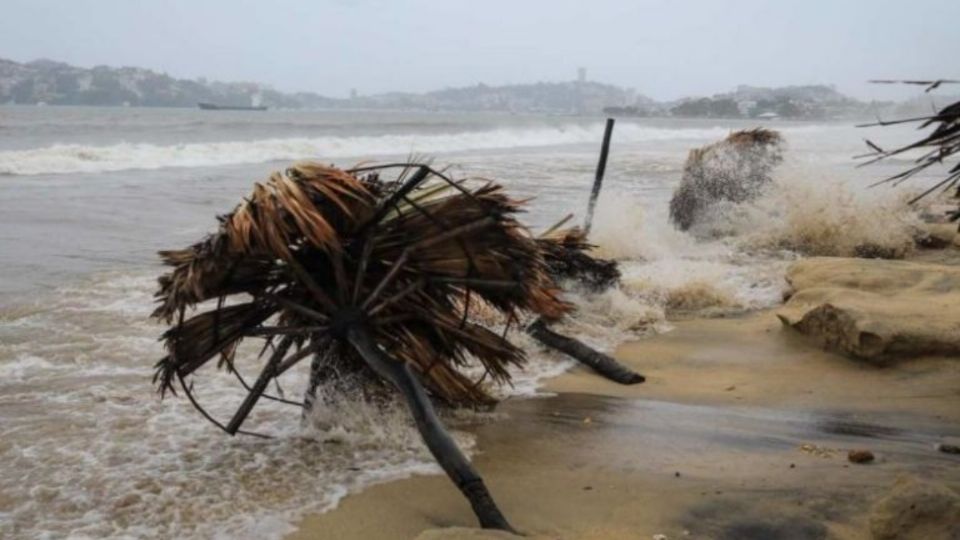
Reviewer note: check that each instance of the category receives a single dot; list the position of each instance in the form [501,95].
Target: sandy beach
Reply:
[733,398]
[741,430]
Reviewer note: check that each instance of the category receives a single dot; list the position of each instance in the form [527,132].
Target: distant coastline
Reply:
[46,82]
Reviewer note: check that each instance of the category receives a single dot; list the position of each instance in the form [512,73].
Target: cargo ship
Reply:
[254,105]
[216,107]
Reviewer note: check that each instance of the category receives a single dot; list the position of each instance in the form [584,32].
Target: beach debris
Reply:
[598,177]
[860,456]
[566,254]
[660,537]
[818,451]
[931,85]
[733,170]
[936,147]
[366,277]
[948,448]
[568,260]
[602,363]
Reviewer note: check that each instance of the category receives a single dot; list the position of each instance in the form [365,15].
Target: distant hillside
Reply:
[569,97]
[802,102]
[56,83]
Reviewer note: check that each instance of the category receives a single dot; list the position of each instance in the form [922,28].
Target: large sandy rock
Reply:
[732,170]
[916,510]
[876,310]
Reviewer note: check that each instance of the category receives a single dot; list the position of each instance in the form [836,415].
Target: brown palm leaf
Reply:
[567,254]
[369,275]
[937,147]
[324,248]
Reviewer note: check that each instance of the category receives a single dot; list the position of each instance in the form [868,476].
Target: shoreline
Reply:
[741,423]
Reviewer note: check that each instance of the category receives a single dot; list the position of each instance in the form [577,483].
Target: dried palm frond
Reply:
[566,252]
[930,84]
[942,143]
[364,275]
[318,249]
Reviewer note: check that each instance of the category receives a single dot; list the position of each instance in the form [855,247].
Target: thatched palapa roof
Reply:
[316,249]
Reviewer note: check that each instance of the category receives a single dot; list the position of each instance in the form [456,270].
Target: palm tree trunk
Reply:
[441,445]
[601,363]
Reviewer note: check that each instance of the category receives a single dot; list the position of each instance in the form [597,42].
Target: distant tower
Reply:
[581,99]
[353,93]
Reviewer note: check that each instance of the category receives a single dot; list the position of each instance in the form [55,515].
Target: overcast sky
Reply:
[665,49]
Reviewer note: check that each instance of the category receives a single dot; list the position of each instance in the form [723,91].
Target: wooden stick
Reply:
[599,362]
[269,372]
[598,179]
[434,434]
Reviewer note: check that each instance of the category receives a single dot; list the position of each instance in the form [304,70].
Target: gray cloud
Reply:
[665,49]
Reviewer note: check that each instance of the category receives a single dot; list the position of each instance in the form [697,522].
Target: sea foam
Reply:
[73,158]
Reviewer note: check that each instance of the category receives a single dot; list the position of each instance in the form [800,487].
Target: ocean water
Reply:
[88,195]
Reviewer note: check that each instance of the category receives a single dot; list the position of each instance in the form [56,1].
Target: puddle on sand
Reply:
[748,472]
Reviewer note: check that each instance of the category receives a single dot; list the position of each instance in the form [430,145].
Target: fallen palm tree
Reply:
[940,144]
[566,254]
[365,276]
[734,170]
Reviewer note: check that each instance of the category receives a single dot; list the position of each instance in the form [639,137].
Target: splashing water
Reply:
[88,450]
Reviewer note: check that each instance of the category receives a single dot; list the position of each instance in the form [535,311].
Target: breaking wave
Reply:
[90,451]
[73,158]
[812,215]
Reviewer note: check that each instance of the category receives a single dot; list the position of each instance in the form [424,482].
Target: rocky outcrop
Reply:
[734,170]
[876,310]
[916,510]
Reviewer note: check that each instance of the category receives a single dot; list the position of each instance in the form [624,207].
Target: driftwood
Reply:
[599,362]
[566,254]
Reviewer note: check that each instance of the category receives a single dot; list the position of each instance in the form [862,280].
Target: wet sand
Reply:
[741,431]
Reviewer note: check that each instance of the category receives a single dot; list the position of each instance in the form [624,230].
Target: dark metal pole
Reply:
[598,179]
